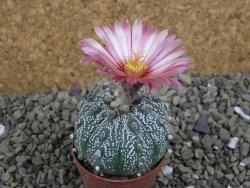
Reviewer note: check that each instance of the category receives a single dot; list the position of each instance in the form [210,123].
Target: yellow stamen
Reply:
[135,65]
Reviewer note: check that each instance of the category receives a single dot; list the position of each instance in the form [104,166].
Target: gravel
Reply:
[35,145]
[202,125]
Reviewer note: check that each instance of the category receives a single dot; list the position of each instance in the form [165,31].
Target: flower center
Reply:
[135,64]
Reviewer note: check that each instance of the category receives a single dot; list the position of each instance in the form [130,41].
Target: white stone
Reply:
[233,142]
[229,186]
[216,147]
[190,186]
[170,137]
[170,151]
[97,168]
[2,129]
[196,177]
[139,174]
[242,164]
[167,170]
[239,111]
[71,136]
[74,149]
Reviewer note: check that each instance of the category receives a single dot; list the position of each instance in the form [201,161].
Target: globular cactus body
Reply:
[121,142]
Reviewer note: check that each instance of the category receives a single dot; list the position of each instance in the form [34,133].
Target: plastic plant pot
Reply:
[91,180]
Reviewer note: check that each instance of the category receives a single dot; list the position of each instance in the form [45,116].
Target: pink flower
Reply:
[136,53]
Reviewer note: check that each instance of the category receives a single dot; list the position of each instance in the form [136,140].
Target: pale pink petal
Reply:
[177,53]
[136,34]
[146,31]
[149,42]
[156,45]
[95,46]
[169,45]
[162,50]
[102,55]
[176,62]
[115,43]
[102,70]
[128,32]
[102,35]
[110,43]
[173,71]
[121,36]
[172,82]
[88,59]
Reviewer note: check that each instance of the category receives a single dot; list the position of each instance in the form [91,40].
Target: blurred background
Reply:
[39,39]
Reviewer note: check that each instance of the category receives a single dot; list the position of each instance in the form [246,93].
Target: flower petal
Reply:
[128,33]
[169,45]
[150,46]
[171,64]
[136,34]
[111,43]
[149,42]
[115,44]
[121,35]
[94,50]
[156,46]
[177,53]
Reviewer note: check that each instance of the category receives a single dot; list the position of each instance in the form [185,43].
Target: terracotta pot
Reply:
[90,180]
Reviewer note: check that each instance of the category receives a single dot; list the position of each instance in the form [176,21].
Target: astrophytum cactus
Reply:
[126,132]
[119,141]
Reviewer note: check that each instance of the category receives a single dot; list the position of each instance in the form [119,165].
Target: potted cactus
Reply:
[121,136]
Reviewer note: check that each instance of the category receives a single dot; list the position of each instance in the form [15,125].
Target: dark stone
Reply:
[75,90]
[202,125]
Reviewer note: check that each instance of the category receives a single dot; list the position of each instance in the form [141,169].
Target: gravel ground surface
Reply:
[210,124]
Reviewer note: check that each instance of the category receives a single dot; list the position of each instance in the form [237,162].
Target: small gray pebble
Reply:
[246,97]
[176,100]
[6,177]
[244,149]
[11,169]
[37,160]
[186,79]
[62,177]
[176,139]
[187,154]
[224,135]
[198,153]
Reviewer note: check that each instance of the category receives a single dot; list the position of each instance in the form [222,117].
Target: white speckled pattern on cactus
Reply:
[122,143]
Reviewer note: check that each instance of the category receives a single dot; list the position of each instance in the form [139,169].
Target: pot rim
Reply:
[154,171]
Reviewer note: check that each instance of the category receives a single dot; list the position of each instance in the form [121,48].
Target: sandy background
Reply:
[39,39]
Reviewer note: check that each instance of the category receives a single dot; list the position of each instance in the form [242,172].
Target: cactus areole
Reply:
[122,142]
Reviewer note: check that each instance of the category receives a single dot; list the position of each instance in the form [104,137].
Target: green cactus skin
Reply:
[122,143]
